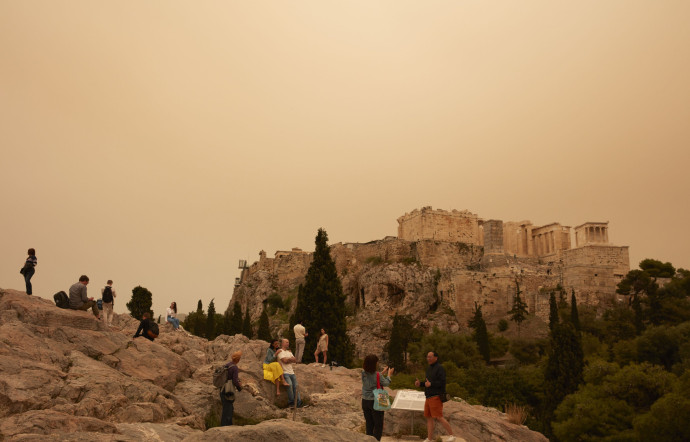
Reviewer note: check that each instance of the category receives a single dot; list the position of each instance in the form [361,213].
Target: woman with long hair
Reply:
[171,316]
[373,418]
[322,347]
[273,372]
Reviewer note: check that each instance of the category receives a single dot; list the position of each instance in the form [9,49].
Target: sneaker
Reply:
[323,365]
[450,439]
[427,440]
[290,404]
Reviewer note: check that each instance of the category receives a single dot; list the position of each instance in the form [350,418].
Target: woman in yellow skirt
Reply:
[273,372]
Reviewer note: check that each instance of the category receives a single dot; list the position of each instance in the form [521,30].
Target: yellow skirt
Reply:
[272,371]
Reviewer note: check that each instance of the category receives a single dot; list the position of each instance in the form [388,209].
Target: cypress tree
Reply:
[211,322]
[574,315]
[141,302]
[564,367]
[519,311]
[236,320]
[199,321]
[553,311]
[264,331]
[481,335]
[321,304]
[247,324]
[401,334]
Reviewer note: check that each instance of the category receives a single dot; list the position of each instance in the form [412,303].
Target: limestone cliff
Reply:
[64,376]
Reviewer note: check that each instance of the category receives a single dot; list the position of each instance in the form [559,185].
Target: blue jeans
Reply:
[174,321]
[291,379]
[228,409]
[27,278]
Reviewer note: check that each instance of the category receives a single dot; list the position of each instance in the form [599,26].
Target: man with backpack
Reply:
[78,300]
[108,296]
[147,328]
[230,382]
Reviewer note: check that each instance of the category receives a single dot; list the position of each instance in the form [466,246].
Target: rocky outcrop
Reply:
[65,376]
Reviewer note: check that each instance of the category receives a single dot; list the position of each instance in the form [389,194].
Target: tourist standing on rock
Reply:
[29,269]
[144,327]
[300,334]
[434,387]
[228,398]
[108,296]
[286,359]
[322,347]
[171,314]
[78,300]
[370,379]
[273,372]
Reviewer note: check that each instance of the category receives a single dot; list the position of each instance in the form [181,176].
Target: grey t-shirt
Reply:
[77,295]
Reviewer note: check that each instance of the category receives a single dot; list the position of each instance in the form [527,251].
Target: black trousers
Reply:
[373,418]
[228,409]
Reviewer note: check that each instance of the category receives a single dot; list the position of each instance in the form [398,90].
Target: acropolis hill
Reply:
[442,262]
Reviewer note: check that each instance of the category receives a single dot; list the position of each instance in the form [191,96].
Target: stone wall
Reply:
[453,226]
[594,271]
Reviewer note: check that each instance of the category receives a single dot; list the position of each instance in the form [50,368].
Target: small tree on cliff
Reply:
[141,302]
[402,334]
[519,311]
[321,304]
[574,315]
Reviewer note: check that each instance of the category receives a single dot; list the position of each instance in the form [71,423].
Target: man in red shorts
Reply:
[434,387]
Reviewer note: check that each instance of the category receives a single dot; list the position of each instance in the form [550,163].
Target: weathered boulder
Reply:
[73,379]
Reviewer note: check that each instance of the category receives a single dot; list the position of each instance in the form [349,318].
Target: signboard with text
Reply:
[409,400]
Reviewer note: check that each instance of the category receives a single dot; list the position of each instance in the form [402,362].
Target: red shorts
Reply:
[433,407]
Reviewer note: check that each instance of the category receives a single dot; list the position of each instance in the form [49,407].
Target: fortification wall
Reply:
[453,226]
[594,271]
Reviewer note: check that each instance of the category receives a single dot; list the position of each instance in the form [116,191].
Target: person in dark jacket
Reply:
[434,387]
[144,327]
[229,403]
[29,270]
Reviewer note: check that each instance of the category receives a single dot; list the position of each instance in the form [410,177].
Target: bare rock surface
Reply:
[65,376]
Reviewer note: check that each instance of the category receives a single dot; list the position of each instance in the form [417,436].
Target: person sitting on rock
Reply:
[144,327]
[286,359]
[78,300]
[171,316]
[273,372]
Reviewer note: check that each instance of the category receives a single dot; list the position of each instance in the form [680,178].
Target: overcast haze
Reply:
[157,143]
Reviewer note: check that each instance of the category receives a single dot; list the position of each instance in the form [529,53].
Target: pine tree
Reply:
[553,311]
[227,323]
[211,322]
[141,302]
[264,332]
[519,311]
[321,304]
[481,335]
[236,320]
[574,315]
[247,324]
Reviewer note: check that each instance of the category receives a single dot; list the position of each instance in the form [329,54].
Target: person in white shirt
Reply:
[171,316]
[108,296]
[286,359]
[300,334]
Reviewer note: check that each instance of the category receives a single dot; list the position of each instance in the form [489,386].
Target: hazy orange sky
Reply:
[156,143]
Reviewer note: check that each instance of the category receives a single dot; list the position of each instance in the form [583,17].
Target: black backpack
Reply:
[153,329]
[107,294]
[61,299]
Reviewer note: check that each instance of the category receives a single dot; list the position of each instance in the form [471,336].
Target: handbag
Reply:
[229,390]
[382,402]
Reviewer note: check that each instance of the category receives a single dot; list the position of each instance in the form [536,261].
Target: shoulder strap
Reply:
[378,381]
